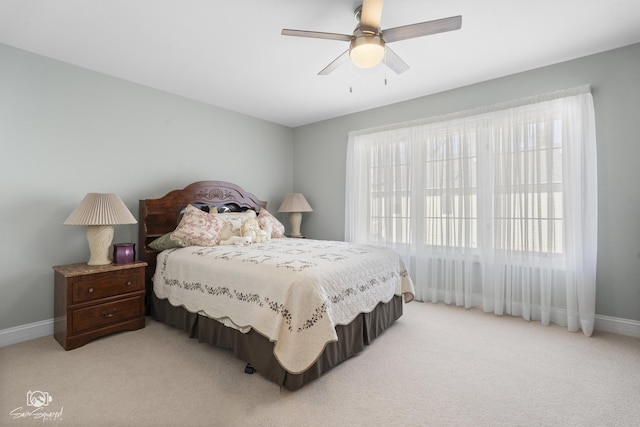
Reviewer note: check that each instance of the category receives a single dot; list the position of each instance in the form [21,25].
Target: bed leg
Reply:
[249,369]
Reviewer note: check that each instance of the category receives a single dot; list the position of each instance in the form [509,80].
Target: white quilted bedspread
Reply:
[292,291]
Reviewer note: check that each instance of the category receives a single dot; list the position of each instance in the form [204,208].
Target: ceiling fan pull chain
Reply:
[385,66]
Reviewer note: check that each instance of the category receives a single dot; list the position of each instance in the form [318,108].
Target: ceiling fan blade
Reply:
[394,62]
[422,29]
[335,63]
[371,14]
[316,35]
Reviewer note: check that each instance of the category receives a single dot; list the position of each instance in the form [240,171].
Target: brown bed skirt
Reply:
[257,350]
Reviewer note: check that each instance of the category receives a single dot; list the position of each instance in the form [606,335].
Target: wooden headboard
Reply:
[160,216]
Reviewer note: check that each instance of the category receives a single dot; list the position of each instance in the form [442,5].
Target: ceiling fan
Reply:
[368,44]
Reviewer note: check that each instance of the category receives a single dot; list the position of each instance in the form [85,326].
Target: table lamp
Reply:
[99,212]
[295,204]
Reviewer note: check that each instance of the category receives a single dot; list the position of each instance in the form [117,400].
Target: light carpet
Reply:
[437,366]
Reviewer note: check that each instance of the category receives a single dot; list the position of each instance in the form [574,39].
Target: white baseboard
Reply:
[616,325]
[26,332]
[44,328]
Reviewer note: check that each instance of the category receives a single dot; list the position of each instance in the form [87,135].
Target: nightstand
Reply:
[93,301]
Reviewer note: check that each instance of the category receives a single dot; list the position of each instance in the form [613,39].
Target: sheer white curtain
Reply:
[495,207]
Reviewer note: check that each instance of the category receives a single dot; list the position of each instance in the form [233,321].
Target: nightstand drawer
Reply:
[96,316]
[102,285]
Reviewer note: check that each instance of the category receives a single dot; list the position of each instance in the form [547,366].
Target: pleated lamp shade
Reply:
[100,209]
[295,204]
[99,212]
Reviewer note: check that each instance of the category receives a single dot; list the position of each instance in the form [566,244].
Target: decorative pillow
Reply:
[164,242]
[267,220]
[202,206]
[234,221]
[198,228]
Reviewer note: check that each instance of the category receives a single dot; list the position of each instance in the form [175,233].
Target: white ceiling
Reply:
[231,54]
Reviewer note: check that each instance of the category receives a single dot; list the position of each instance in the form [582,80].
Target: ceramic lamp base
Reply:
[295,219]
[100,238]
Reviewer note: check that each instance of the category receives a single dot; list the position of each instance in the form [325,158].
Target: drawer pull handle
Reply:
[90,290]
[108,315]
[129,283]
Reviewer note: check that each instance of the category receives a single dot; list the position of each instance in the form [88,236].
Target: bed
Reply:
[290,308]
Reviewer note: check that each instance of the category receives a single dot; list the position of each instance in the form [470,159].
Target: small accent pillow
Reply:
[164,242]
[267,220]
[198,228]
[234,222]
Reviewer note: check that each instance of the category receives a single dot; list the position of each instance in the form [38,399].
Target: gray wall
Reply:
[320,158]
[67,131]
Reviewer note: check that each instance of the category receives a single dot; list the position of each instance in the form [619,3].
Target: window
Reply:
[485,205]
[523,187]
[450,211]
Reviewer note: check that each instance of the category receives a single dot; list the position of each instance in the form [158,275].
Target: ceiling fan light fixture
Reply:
[367,51]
